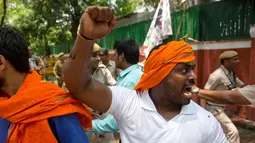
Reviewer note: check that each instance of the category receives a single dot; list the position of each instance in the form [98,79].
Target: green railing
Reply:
[226,20]
[222,20]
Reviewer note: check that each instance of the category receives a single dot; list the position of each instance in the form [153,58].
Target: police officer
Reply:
[59,69]
[110,65]
[224,78]
[99,70]
[103,75]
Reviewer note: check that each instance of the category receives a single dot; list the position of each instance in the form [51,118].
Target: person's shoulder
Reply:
[217,72]
[136,72]
[216,75]
[207,122]
[203,115]
[48,86]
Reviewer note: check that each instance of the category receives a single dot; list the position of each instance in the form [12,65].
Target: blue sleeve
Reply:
[68,129]
[106,125]
[4,125]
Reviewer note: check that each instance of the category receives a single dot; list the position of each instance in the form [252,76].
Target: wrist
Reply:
[83,36]
[195,91]
[82,40]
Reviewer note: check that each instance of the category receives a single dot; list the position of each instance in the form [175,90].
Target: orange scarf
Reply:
[35,102]
[161,62]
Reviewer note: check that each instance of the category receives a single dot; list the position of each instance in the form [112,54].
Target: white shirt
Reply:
[139,121]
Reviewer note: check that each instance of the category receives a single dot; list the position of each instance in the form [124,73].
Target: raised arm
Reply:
[95,23]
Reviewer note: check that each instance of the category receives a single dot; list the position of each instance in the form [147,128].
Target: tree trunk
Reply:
[4,15]
[75,18]
[46,45]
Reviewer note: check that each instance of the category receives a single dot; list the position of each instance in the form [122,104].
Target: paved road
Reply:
[247,136]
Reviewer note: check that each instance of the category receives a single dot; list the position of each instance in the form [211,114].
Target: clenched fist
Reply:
[96,22]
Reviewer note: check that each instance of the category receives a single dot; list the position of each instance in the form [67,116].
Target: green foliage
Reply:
[45,23]
[153,3]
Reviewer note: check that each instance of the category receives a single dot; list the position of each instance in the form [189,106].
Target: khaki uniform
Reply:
[220,80]
[249,93]
[59,72]
[103,75]
[111,66]
[32,63]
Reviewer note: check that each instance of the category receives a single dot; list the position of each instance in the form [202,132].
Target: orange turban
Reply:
[162,61]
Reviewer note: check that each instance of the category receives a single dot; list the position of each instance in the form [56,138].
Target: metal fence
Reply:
[222,20]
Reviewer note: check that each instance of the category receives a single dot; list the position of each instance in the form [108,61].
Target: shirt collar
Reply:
[147,104]
[126,71]
[225,70]
[110,63]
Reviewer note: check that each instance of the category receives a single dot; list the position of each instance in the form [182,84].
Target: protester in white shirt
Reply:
[160,110]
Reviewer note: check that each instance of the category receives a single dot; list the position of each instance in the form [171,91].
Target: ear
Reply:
[226,61]
[121,57]
[3,62]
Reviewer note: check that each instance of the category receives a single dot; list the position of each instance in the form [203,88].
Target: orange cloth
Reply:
[161,62]
[35,102]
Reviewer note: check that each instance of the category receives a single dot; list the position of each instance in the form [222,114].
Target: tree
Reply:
[153,3]
[123,7]
[45,23]
[4,5]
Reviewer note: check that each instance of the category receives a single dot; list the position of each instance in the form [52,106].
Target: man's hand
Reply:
[95,114]
[96,22]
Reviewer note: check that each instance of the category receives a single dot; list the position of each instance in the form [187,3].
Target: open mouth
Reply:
[187,92]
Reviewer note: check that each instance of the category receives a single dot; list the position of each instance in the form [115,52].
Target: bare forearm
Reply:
[95,23]
[77,66]
[221,97]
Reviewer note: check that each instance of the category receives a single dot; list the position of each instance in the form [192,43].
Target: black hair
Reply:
[129,48]
[14,49]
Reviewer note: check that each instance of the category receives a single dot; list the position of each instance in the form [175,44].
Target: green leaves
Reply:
[45,23]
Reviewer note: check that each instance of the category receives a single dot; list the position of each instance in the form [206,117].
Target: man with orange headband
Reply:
[160,110]
[32,111]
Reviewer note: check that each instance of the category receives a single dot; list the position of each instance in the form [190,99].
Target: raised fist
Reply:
[96,22]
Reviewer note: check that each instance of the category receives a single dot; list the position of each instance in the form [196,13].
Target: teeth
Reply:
[187,93]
